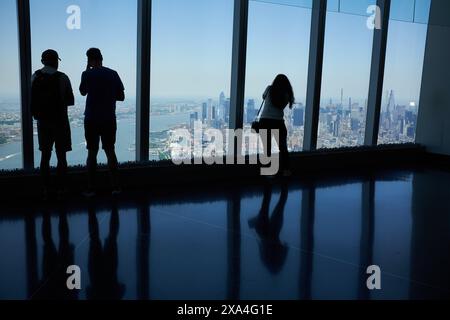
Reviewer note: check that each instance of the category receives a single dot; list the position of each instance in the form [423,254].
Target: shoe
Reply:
[89,194]
[287,173]
[116,191]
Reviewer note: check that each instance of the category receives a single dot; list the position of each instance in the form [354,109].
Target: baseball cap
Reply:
[50,55]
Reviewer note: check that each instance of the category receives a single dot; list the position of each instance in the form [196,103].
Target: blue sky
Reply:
[191,45]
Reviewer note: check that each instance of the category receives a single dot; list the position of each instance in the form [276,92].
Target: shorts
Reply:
[50,134]
[106,132]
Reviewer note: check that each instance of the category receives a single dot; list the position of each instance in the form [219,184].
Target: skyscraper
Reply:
[222,99]
[193,118]
[221,108]
[210,111]
[298,117]
[389,119]
[227,110]
[204,111]
[251,111]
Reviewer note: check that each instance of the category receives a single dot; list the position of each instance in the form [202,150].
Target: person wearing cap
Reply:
[103,88]
[50,97]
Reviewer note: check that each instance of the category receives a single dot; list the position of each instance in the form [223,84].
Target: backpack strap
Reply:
[260,109]
[38,74]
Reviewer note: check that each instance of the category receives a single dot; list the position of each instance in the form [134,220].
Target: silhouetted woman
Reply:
[277,97]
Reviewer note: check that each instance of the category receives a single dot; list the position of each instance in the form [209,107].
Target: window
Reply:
[346,74]
[10,110]
[105,24]
[278,43]
[191,69]
[403,73]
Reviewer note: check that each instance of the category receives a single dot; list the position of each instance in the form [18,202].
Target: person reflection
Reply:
[55,261]
[47,286]
[103,260]
[31,255]
[66,257]
[143,250]
[273,252]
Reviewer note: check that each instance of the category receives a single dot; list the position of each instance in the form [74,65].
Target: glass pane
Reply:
[402,10]
[356,7]
[105,24]
[278,43]
[345,81]
[333,5]
[191,69]
[359,7]
[402,81]
[293,3]
[422,12]
[10,115]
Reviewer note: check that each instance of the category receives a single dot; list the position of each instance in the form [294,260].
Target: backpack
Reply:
[46,100]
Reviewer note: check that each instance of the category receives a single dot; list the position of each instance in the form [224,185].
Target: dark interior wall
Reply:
[430,235]
[433,129]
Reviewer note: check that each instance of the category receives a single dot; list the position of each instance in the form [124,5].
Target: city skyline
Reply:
[341,125]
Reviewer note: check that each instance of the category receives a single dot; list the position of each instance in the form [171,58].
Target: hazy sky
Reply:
[192,43]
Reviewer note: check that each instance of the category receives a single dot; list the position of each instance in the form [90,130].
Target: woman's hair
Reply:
[281,92]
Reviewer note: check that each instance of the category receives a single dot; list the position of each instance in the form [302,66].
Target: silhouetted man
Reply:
[51,95]
[103,88]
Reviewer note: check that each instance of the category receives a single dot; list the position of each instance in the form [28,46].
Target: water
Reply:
[11,153]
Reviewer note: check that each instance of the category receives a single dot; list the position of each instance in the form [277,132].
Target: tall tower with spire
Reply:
[391,102]
[222,103]
[390,110]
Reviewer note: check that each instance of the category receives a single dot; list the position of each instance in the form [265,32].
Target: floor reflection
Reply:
[52,284]
[143,250]
[307,242]
[367,236]
[234,246]
[268,241]
[103,259]
[272,250]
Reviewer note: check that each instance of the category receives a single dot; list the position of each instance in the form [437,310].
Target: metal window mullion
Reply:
[24,34]
[315,67]
[377,75]
[143,80]
[238,65]
[367,235]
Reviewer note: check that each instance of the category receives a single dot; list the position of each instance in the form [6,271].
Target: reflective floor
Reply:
[278,240]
